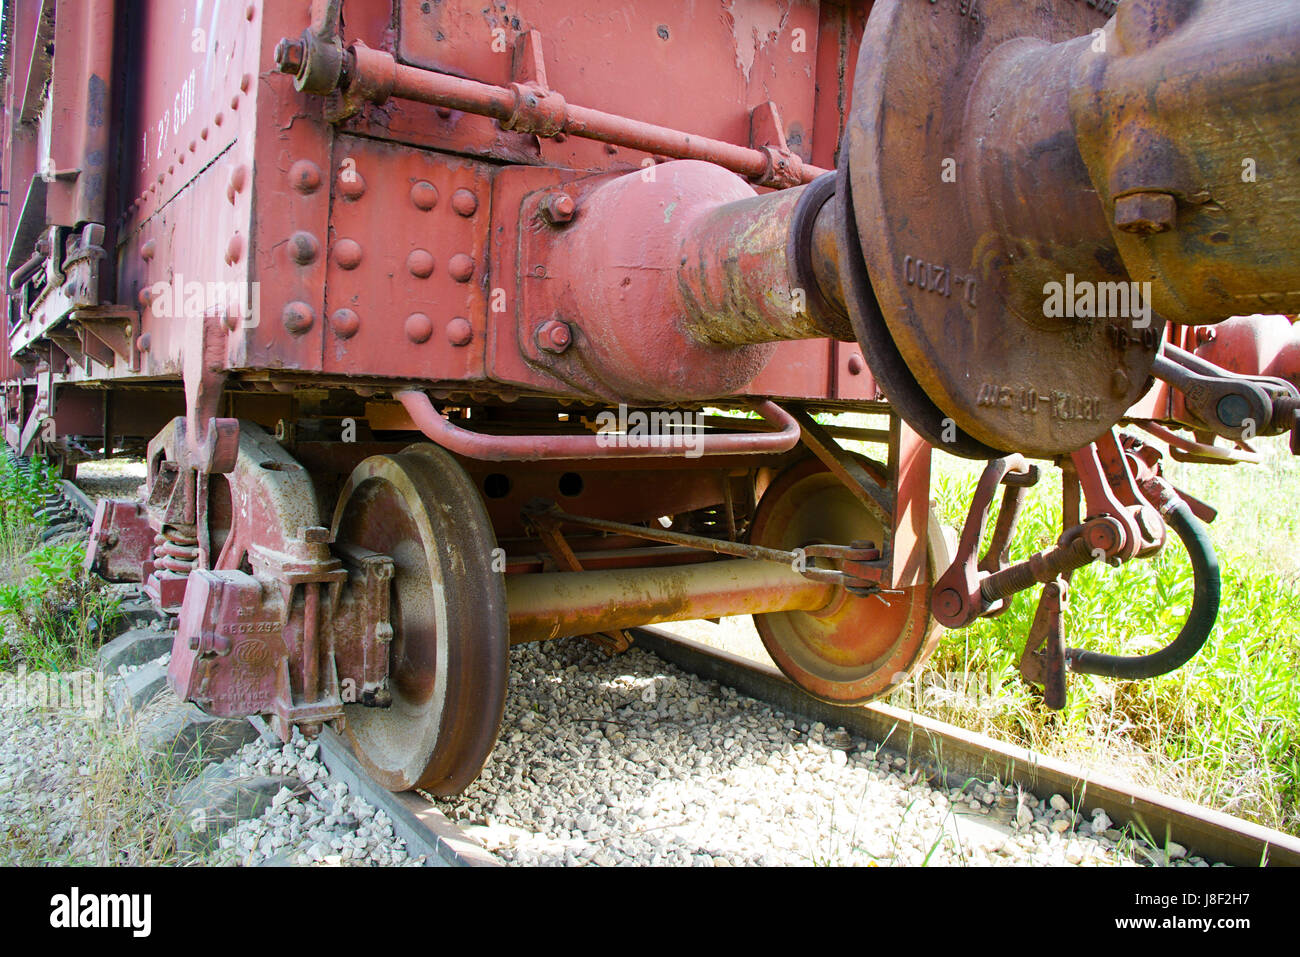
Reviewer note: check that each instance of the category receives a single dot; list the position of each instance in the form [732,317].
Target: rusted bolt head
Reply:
[554,335]
[948,603]
[1148,522]
[558,208]
[289,56]
[1145,213]
[1102,536]
[316,535]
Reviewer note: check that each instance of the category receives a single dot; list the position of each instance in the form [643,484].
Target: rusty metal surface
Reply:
[855,648]
[503,448]
[121,541]
[450,641]
[1197,202]
[519,62]
[558,604]
[962,241]
[407,260]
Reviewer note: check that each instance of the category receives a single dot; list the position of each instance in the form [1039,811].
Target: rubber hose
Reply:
[1200,617]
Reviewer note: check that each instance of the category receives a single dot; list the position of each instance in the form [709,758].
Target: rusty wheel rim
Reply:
[854,649]
[449,656]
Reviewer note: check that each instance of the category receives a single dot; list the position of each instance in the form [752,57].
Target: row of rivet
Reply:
[348,253]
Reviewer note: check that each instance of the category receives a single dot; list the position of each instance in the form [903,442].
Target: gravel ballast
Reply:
[601,761]
[627,760]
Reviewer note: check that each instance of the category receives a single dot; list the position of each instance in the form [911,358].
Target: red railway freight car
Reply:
[426,315]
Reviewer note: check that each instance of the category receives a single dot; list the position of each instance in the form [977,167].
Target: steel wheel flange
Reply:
[448,661]
[855,648]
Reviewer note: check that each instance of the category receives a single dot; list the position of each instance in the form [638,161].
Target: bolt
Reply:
[554,335]
[289,55]
[948,603]
[1232,410]
[1148,522]
[1145,213]
[557,208]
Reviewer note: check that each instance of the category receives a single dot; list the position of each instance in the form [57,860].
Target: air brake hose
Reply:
[1200,617]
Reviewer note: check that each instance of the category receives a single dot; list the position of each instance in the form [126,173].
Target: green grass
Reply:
[1224,730]
[51,613]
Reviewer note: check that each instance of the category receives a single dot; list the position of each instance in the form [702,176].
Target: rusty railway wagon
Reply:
[427,314]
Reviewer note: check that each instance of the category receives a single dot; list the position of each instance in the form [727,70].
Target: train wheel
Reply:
[449,657]
[855,648]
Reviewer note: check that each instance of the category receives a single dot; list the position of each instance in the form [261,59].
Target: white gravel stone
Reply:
[705,777]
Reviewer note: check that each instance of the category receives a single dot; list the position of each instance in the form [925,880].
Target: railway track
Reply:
[974,787]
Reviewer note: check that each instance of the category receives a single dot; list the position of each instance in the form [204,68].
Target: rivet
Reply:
[856,365]
[304,176]
[203,133]
[345,323]
[460,267]
[420,263]
[249,12]
[464,202]
[218,119]
[347,253]
[424,195]
[148,249]
[303,248]
[418,327]
[144,342]
[352,185]
[145,297]
[1119,383]
[244,82]
[611,149]
[238,179]
[171,168]
[194,146]
[298,317]
[234,102]
[181,159]
[460,332]
[444,113]
[234,249]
